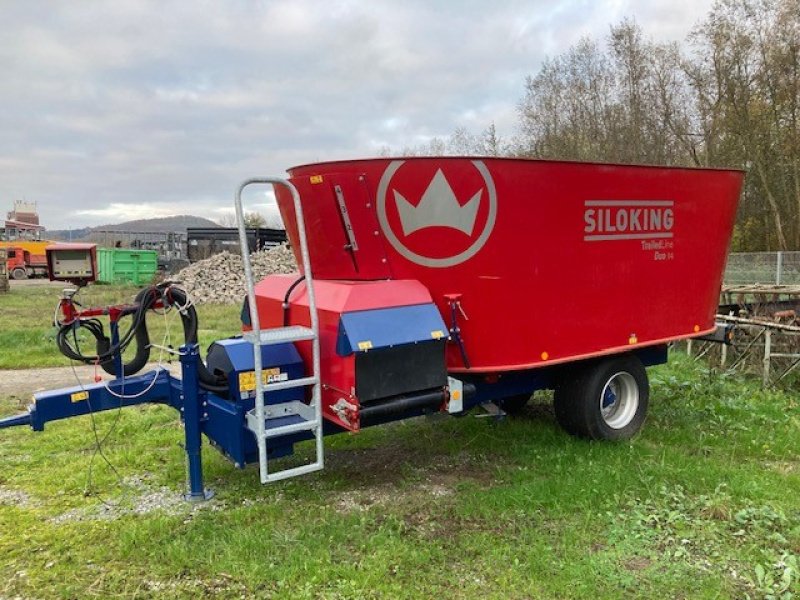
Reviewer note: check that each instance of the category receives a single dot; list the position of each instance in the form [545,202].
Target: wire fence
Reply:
[778,268]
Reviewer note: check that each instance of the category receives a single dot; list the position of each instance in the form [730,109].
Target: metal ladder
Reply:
[276,420]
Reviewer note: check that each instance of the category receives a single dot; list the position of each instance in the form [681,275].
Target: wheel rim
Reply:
[619,400]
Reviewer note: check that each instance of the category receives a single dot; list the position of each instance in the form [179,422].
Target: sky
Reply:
[132,109]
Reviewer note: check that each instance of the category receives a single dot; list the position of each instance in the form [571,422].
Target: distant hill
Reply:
[176,223]
[164,224]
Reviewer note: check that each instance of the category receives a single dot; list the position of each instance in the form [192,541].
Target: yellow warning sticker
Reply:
[247,379]
[367,345]
[315,179]
[438,334]
[79,396]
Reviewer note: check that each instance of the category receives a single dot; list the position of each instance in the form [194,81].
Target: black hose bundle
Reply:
[170,296]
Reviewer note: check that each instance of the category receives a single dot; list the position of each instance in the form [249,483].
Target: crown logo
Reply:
[438,207]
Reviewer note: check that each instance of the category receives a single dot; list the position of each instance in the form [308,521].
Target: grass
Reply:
[705,503]
[27,332]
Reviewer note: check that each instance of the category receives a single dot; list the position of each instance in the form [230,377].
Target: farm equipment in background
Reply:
[21,264]
[428,285]
[202,242]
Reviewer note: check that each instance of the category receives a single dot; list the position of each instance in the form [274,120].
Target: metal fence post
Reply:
[779,268]
[767,354]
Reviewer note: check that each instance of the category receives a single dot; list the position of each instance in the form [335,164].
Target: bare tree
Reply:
[733,102]
[747,73]
[251,219]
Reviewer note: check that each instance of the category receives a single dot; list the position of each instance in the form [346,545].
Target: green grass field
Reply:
[705,503]
[26,323]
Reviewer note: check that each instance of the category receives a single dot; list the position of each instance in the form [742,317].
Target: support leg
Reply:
[193,401]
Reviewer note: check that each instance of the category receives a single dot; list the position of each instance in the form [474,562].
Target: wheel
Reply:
[604,400]
[19,273]
[514,405]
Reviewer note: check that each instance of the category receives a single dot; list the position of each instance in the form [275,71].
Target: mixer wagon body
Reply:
[429,285]
[548,261]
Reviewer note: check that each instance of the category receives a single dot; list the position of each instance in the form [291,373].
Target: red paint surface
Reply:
[537,287]
[337,373]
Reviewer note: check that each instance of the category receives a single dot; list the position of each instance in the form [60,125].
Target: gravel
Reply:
[13,497]
[139,498]
[219,279]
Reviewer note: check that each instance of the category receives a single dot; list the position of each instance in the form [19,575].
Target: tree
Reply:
[251,219]
[622,102]
[734,101]
[254,219]
[747,76]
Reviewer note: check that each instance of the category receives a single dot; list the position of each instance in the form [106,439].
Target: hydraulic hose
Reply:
[208,381]
[145,300]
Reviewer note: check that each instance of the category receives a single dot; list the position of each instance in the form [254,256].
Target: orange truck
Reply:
[26,259]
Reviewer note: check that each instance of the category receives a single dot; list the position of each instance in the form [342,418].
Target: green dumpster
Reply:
[123,265]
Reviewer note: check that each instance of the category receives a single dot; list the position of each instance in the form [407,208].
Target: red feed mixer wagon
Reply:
[425,284]
[543,274]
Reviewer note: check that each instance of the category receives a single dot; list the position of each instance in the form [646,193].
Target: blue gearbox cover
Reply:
[234,358]
[364,330]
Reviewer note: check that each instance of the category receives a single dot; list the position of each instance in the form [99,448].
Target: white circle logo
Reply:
[435,225]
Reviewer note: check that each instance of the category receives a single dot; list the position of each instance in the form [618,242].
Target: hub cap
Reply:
[619,400]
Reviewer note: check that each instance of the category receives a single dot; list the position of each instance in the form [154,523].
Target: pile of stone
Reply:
[219,279]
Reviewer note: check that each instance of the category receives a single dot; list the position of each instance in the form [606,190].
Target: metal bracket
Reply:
[492,410]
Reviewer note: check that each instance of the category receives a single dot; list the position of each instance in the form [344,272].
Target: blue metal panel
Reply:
[281,356]
[365,330]
[226,430]
[240,353]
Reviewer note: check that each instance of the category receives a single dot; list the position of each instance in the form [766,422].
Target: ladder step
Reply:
[280,335]
[280,430]
[291,383]
[281,419]
[293,472]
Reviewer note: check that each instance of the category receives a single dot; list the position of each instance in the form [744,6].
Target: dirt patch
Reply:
[784,467]
[412,477]
[20,384]
[637,563]
[396,459]
[353,501]
[222,584]
[361,500]
[37,282]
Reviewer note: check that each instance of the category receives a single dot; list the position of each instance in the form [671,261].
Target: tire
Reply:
[604,400]
[19,273]
[514,405]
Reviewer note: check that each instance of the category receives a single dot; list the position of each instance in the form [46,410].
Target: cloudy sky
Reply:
[131,109]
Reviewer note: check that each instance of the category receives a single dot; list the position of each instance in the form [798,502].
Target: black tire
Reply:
[514,405]
[19,273]
[604,400]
